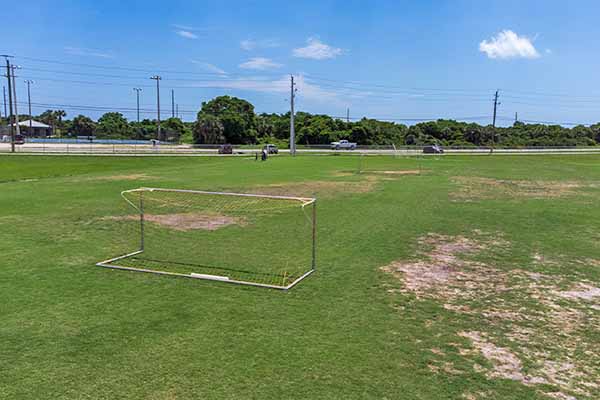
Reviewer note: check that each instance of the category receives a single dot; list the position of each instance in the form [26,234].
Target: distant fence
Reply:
[109,147]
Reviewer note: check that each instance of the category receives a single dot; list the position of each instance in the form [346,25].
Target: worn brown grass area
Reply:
[395,172]
[478,188]
[186,221]
[318,188]
[539,318]
[123,177]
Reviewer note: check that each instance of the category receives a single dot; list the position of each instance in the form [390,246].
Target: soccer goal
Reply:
[249,239]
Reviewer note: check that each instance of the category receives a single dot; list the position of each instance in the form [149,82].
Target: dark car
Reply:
[271,149]
[434,149]
[19,139]
[225,149]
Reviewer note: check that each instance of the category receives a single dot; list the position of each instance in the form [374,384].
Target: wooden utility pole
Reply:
[10,118]
[4,95]
[14,87]
[494,119]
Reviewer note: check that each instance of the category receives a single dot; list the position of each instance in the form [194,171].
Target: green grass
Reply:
[70,330]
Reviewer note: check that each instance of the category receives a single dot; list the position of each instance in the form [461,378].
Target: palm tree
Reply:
[60,114]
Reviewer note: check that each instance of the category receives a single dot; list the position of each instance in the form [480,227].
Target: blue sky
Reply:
[381,59]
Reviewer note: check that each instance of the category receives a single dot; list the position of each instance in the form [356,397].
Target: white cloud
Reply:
[186,34]
[184,27]
[209,67]
[507,44]
[259,63]
[317,50]
[81,51]
[249,44]
[281,86]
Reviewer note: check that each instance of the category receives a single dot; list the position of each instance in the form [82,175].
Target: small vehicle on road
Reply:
[343,145]
[226,149]
[271,149]
[433,149]
[19,139]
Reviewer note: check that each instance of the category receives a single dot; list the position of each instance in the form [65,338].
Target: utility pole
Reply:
[348,115]
[172,103]
[157,79]
[292,129]
[495,107]
[10,118]
[494,120]
[4,94]
[516,117]
[14,86]
[137,95]
[29,82]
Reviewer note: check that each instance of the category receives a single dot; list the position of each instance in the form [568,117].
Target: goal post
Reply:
[242,238]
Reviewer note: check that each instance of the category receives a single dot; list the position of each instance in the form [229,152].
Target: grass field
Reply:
[477,278]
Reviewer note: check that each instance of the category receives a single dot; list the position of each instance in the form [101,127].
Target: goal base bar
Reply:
[110,264]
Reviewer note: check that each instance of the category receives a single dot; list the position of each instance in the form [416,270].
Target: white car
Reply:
[343,145]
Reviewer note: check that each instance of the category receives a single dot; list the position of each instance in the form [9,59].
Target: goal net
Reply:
[251,239]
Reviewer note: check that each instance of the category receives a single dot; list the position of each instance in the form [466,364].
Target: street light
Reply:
[14,87]
[29,82]
[137,92]
[157,78]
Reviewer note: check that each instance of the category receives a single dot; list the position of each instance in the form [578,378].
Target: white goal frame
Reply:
[304,202]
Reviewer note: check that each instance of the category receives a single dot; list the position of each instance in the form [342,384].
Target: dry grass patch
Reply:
[185,222]
[317,188]
[395,172]
[479,188]
[532,319]
[368,182]
[112,178]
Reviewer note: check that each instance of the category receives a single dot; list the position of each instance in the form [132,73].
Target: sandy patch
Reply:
[317,188]
[185,222]
[112,178]
[505,363]
[394,172]
[583,292]
[479,188]
[540,323]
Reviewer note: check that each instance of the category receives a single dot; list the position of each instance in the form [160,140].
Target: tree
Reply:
[208,130]
[59,115]
[83,126]
[236,115]
[113,124]
[172,129]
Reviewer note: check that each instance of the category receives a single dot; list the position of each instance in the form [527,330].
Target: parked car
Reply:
[225,149]
[19,139]
[271,148]
[343,145]
[433,149]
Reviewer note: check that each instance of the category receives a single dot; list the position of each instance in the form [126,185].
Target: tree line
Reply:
[227,119]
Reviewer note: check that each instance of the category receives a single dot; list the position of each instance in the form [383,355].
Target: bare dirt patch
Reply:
[124,177]
[319,188]
[540,319]
[582,292]
[187,221]
[395,172]
[505,363]
[479,188]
